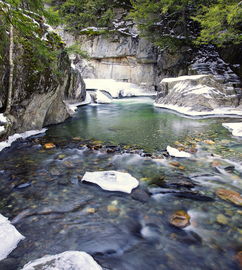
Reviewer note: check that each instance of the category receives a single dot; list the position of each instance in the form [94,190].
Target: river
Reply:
[57,212]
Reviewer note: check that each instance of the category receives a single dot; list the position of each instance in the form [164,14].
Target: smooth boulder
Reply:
[197,95]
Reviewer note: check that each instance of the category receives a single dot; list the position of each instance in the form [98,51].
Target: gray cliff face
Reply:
[39,100]
[126,58]
[198,92]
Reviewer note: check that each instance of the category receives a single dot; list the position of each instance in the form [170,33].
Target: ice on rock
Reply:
[112,180]
[235,128]
[69,260]
[9,237]
[17,136]
[176,153]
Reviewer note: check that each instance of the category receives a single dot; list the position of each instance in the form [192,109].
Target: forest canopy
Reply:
[162,21]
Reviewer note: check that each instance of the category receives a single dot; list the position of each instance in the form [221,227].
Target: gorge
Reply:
[118,153]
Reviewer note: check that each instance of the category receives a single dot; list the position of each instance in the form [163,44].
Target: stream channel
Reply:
[42,194]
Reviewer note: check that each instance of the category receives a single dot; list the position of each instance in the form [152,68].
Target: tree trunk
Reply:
[11,68]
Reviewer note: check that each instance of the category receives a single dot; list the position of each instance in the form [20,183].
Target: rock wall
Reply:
[126,58]
[38,100]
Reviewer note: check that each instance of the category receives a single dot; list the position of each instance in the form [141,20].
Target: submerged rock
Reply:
[180,219]
[239,258]
[229,195]
[49,146]
[112,180]
[69,260]
[9,237]
[222,219]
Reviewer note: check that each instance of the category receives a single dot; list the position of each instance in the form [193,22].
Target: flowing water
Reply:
[42,193]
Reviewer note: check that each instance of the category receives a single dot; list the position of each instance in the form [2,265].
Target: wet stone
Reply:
[238,257]
[49,146]
[140,195]
[229,195]
[180,219]
[55,172]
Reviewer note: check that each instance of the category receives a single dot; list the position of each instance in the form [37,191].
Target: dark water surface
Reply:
[56,212]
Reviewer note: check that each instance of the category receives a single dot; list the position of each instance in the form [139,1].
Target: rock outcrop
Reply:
[39,92]
[197,95]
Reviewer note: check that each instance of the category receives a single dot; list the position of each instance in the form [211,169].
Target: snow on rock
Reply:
[101,97]
[112,180]
[69,260]
[3,119]
[235,128]
[176,153]
[16,136]
[9,237]
[188,111]
[198,95]
[115,88]
[2,128]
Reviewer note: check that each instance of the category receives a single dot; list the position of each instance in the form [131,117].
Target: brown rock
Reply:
[49,146]
[238,257]
[209,142]
[229,195]
[175,163]
[180,219]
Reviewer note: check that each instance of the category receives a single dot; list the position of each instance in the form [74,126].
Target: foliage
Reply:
[177,22]
[75,49]
[79,14]
[41,47]
[221,22]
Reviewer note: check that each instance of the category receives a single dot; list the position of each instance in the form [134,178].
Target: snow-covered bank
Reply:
[235,128]
[9,237]
[16,136]
[187,111]
[117,89]
[67,260]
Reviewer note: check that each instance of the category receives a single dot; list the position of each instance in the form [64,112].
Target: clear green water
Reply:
[136,122]
[53,210]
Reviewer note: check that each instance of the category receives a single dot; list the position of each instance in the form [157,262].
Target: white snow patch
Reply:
[115,88]
[2,128]
[64,261]
[183,78]
[3,119]
[112,180]
[16,136]
[226,111]
[102,98]
[176,153]
[235,128]
[9,237]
